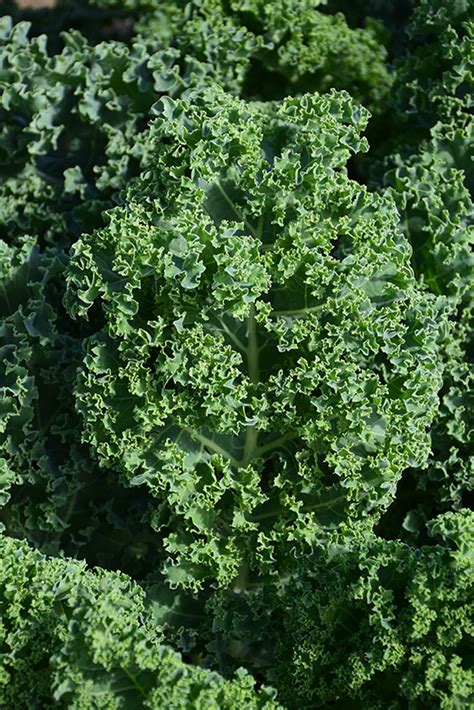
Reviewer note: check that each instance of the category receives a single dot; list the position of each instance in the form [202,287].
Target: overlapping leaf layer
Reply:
[236,354]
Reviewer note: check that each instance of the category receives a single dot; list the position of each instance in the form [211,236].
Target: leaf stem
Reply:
[137,685]
[252,347]
[235,209]
[232,336]
[274,444]
[250,447]
[251,439]
[298,311]
[210,444]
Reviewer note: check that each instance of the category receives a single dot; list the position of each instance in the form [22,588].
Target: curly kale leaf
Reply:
[52,491]
[72,126]
[268,367]
[363,622]
[432,179]
[435,80]
[268,50]
[82,638]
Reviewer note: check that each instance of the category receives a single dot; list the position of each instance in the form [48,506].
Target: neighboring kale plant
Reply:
[438,219]
[435,80]
[366,623]
[268,367]
[72,128]
[266,49]
[271,49]
[432,180]
[51,490]
[76,638]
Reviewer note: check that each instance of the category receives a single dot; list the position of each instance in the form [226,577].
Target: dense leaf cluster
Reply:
[100,643]
[236,354]
[372,621]
[265,355]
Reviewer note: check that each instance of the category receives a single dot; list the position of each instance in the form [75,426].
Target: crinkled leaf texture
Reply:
[372,622]
[432,178]
[100,646]
[268,366]
[438,220]
[265,355]
[72,125]
[435,81]
[268,49]
[52,491]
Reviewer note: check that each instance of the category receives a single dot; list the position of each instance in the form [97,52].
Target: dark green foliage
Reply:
[48,479]
[82,639]
[369,622]
[265,354]
[391,15]
[435,80]
[236,354]
[261,49]
[432,179]
[71,128]
[271,49]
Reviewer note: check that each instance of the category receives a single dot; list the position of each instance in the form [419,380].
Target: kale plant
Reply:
[267,366]
[236,354]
